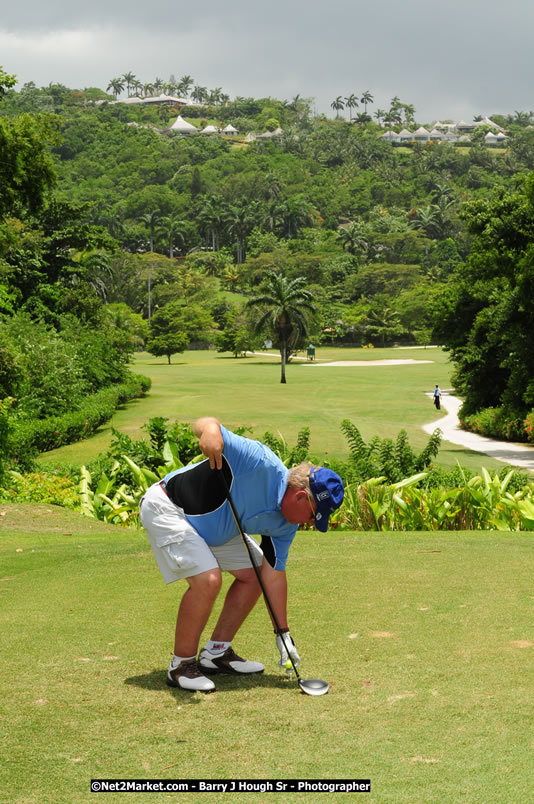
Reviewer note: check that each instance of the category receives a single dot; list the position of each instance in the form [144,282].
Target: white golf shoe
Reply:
[227,662]
[187,676]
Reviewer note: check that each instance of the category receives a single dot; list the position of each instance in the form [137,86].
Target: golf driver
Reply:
[311,686]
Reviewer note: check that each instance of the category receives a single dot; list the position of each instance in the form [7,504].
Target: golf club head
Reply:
[313,686]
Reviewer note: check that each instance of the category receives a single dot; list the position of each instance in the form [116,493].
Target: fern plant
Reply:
[393,459]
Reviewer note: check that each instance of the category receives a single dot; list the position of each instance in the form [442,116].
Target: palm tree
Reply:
[215,96]
[384,322]
[240,221]
[137,86]
[351,103]
[284,304]
[211,216]
[337,105]
[116,85]
[272,185]
[295,213]
[441,191]
[199,94]
[409,113]
[129,79]
[94,267]
[152,220]
[272,217]
[352,238]
[173,229]
[184,85]
[380,114]
[365,99]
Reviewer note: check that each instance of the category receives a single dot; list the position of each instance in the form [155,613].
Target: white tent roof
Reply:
[405,134]
[421,132]
[163,99]
[209,130]
[229,129]
[182,125]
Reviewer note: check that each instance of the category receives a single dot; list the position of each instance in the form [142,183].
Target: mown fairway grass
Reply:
[380,400]
[427,641]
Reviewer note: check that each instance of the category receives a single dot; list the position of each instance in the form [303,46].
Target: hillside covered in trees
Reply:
[113,223]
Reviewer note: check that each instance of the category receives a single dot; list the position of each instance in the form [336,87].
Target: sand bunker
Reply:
[371,363]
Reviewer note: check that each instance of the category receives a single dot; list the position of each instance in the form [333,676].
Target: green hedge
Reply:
[26,437]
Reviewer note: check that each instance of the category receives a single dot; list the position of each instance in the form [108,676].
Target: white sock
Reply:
[175,661]
[217,647]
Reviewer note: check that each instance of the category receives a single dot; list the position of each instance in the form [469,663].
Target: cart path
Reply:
[521,455]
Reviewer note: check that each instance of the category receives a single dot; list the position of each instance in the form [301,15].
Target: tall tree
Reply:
[240,221]
[184,85]
[128,79]
[284,306]
[152,220]
[173,229]
[211,216]
[116,85]
[337,105]
[351,103]
[485,313]
[26,168]
[295,213]
[365,99]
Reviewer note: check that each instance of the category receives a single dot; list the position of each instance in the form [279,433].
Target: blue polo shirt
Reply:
[258,481]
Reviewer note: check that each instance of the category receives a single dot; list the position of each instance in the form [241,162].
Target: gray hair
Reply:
[299,476]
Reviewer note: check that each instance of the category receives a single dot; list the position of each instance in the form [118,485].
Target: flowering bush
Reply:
[498,423]
[528,426]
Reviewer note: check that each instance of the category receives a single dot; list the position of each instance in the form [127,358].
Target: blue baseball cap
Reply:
[328,493]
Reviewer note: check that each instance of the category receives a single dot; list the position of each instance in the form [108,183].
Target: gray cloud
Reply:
[452,60]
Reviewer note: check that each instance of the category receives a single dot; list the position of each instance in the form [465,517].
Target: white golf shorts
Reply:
[179,550]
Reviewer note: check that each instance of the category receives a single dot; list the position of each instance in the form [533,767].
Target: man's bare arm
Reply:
[210,440]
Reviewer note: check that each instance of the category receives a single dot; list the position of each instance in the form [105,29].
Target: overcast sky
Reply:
[451,60]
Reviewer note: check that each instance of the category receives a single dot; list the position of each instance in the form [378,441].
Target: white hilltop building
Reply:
[448,132]
[421,134]
[210,130]
[134,100]
[229,129]
[181,126]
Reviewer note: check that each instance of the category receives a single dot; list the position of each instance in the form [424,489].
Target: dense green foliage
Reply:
[485,315]
[103,205]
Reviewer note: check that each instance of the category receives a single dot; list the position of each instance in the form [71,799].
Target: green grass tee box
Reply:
[379,400]
[426,640]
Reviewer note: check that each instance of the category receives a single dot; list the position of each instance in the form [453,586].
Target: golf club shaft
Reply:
[256,570]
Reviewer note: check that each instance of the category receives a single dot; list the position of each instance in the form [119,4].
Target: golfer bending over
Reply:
[194,536]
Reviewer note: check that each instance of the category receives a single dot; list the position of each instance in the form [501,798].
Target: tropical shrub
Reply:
[499,423]
[392,459]
[290,456]
[528,425]
[482,502]
[42,487]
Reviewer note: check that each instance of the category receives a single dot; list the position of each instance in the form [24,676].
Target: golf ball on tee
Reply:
[288,664]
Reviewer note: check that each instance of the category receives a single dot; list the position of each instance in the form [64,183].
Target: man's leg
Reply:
[194,611]
[218,655]
[239,602]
